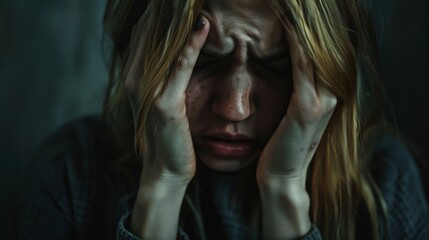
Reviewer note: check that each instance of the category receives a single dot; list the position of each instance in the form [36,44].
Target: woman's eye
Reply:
[277,72]
[207,67]
[279,65]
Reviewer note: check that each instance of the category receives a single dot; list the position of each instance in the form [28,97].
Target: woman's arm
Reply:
[169,163]
[285,212]
[283,165]
[156,210]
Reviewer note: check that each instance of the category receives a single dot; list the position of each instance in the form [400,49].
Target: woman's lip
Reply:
[227,148]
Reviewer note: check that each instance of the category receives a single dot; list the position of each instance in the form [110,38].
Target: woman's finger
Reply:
[302,66]
[327,99]
[179,78]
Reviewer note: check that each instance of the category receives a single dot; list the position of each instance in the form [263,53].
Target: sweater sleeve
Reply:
[123,232]
[314,234]
[400,184]
[62,197]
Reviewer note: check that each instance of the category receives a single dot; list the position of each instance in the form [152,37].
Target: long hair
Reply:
[338,37]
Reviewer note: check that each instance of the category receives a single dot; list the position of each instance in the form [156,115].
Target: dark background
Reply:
[52,70]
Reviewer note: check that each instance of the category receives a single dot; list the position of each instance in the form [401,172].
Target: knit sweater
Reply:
[71,192]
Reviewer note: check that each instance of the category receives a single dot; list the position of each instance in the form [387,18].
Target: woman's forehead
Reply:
[242,25]
[258,6]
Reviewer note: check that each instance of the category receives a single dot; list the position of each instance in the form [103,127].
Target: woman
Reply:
[232,119]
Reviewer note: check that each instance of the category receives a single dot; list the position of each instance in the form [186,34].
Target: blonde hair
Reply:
[337,37]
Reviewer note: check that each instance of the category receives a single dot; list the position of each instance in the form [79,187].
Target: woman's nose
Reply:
[232,102]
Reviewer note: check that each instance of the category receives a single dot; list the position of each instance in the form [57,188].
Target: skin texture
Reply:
[239,86]
[234,89]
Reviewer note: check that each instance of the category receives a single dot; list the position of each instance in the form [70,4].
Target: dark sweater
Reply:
[71,193]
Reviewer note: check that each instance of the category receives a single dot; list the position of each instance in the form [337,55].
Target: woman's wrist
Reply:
[285,211]
[156,210]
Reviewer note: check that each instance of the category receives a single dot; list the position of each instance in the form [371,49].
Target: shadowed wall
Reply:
[51,70]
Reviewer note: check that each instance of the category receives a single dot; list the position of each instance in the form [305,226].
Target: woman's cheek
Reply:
[273,103]
[197,95]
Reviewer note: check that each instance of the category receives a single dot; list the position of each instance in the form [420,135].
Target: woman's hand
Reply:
[283,164]
[169,163]
[169,154]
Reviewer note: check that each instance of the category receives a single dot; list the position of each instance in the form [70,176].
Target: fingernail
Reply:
[199,24]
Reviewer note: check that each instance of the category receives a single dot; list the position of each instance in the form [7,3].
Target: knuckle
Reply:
[164,107]
[187,58]
[316,109]
[302,61]
[193,46]
[313,106]
[309,111]
[303,64]
[332,103]
[162,104]
[183,63]
[314,112]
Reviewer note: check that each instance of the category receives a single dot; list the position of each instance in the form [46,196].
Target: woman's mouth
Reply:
[228,146]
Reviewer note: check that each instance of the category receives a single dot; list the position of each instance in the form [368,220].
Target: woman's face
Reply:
[241,85]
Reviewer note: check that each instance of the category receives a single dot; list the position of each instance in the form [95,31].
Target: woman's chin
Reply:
[225,164]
